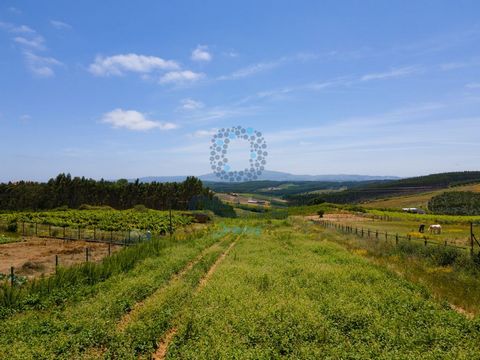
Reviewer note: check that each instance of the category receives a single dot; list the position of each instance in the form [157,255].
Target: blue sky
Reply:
[128,89]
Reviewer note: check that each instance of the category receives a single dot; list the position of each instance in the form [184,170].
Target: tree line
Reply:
[72,192]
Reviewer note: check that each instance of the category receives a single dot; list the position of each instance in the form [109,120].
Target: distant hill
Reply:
[418,200]
[282,188]
[377,190]
[277,176]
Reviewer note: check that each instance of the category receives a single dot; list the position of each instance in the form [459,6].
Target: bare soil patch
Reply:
[341,217]
[33,257]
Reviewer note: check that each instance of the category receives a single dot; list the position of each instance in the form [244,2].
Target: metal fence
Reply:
[385,235]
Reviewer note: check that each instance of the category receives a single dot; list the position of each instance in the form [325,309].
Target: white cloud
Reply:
[60,25]
[22,29]
[201,54]
[134,120]
[25,118]
[40,65]
[31,44]
[473,85]
[265,66]
[394,73]
[35,42]
[4,25]
[181,77]
[14,10]
[204,133]
[119,64]
[190,104]
[251,70]
[231,54]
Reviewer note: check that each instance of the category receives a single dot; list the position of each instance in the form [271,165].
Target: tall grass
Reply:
[450,274]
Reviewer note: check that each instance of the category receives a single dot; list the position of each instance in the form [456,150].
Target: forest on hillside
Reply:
[456,203]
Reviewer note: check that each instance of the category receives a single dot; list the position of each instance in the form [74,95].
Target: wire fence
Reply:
[395,237]
[89,234]
[73,251]
[50,264]
[107,242]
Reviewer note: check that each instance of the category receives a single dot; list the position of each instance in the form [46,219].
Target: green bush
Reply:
[12,226]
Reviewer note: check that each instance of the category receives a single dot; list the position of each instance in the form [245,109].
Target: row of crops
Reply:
[109,220]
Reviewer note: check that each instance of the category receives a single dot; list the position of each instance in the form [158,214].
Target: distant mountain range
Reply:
[277,176]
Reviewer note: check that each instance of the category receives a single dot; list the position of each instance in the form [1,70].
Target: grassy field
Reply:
[453,233]
[245,289]
[295,294]
[417,200]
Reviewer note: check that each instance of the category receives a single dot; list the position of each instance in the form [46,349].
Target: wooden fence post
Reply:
[56,263]
[86,254]
[471,238]
[12,276]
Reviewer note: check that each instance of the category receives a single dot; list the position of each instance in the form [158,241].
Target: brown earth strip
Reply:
[163,345]
[125,320]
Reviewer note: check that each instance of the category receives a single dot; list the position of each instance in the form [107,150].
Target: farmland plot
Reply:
[293,295]
[251,290]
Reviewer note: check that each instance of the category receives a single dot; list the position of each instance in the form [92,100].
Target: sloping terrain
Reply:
[416,200]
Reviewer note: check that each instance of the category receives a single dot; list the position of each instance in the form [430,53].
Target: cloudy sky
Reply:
[137,88]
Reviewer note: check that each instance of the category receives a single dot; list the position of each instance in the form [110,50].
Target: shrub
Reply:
[12,226]
[140,208]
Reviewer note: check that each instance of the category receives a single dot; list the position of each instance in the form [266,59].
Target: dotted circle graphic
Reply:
[219,149]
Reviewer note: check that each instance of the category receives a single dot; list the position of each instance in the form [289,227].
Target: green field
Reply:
[245,289]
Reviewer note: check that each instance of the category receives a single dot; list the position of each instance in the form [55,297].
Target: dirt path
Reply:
[210,272]
[127,318]
[163,345]
[338,217]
